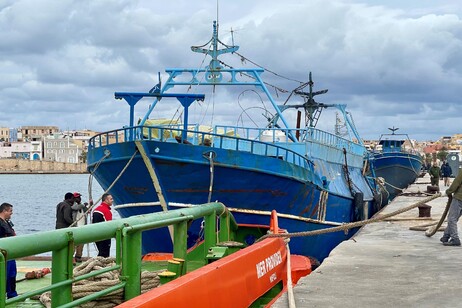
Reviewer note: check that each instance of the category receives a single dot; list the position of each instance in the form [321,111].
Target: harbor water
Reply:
[35,196]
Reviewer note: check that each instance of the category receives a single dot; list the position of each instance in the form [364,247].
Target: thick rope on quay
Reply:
[82,288]
[352,225]
[431,231]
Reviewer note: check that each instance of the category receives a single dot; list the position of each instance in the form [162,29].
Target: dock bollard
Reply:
[433,189]
[425,210]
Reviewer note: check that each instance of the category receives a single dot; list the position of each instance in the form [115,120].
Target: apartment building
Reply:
[5,134]
[35,133]
[61,148]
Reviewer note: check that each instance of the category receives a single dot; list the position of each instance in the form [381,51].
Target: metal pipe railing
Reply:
[127,232]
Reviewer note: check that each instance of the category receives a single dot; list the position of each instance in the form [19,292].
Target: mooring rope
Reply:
[108,189]
[352,225]
[90,178]
[290,289]
[82,288]
[211,176]
[382,182]
[431,231]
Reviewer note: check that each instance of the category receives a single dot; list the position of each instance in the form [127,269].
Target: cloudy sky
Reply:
[394,63]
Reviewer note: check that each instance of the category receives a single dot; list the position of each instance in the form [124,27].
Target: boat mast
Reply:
[312,108]
[393,130]
[214,74]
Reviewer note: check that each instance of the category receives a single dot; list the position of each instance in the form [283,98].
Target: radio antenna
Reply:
[217,13]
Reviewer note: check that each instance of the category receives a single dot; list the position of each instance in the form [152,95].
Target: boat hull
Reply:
[252,185]
[251,272]
[399,170]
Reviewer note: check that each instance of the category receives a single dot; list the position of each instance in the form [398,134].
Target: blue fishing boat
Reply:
[313,179]
[397,165]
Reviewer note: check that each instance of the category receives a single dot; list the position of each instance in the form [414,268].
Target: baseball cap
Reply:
[76,194]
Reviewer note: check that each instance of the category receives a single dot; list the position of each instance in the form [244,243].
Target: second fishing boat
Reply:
[397,165]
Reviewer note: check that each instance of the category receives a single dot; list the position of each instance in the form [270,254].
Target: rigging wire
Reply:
[266,69]
[266,83]
[213,108]
[244,110]
[179,110]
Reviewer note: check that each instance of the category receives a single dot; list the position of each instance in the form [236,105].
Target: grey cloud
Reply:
[397,62]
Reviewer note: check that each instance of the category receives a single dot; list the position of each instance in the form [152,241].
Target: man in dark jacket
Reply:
[446,172]
[103,213]
[64,212]
[6,230]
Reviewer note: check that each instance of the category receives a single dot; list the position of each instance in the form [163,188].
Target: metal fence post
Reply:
[210,234]
[180,235]
[131,263]
[2,278]
[61,264]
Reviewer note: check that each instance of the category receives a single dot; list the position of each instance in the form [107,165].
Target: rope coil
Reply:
[82,288]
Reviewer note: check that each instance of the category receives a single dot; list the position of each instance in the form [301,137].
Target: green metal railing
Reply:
[127,232]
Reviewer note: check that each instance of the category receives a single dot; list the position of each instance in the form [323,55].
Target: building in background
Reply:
[35,133]
[61,148]
[36,150]
[4,134]
[20,150]
[13,135]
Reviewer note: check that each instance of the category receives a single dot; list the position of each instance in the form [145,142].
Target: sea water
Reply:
[35,196]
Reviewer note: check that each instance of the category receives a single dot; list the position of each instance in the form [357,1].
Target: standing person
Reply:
[434,174]
[79,218]
[64,212]
[100,214]
[446,172]
[6,230]
[451,236]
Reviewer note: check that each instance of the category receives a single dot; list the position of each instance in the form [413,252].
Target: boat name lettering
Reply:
[268,264]
[261,270]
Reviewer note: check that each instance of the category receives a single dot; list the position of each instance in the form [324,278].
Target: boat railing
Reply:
[222,137]
[282,135]
[127,233]
[397,150]
[325,138]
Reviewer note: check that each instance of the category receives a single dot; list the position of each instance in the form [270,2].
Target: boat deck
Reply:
[37,263]
[387,264]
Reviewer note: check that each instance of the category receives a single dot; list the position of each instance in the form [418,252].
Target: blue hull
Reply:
[313,179]
[243,181]
[398,169]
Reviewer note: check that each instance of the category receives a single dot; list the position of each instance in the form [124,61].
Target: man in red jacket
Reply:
[100,214]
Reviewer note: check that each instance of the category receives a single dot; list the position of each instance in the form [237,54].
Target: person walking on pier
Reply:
[64,212]
[446,172]
[6,230]
[434,174]
[100,214]
[451,236]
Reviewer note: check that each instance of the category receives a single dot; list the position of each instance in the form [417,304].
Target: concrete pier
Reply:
[388,265]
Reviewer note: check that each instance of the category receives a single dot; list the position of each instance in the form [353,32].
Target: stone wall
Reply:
[8,165]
